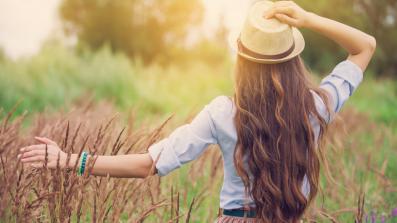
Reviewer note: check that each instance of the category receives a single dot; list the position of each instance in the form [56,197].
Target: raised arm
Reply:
[125,166]
[358,44]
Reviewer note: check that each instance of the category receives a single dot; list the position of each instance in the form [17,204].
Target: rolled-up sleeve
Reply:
[341,83]
[186,143]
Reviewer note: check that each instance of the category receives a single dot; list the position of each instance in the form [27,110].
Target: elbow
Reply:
[147,174]
[371,44]
[146,167]
[147,171]
[143,174]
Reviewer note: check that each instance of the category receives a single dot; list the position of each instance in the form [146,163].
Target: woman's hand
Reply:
[35,155]
[290,13]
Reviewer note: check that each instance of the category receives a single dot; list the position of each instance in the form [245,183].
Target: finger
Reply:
[283,10]
[279,10]
[31,153]
[45,140]
[33,159]
[32,147]
[286,19]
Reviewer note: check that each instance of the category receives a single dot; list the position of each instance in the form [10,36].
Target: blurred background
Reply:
[132,51]
[157,58]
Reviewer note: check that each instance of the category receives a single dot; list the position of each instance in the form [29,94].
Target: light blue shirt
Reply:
[215,125]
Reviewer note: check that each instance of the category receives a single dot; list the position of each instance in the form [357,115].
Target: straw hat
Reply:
[266,40]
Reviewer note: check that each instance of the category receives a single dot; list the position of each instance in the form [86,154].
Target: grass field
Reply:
[60,85]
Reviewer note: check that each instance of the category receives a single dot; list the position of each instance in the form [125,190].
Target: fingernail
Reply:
[22,149]
[19,155]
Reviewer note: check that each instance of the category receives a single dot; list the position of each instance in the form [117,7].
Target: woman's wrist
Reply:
[80,162]
[311,20]
[72,161]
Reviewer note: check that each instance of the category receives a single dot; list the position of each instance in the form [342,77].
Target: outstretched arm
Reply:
[132,165]
[185,144]
[358,44]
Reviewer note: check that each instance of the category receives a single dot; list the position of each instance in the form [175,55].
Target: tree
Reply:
[147,29]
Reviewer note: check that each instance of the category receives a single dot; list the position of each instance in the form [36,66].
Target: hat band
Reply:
[251,53]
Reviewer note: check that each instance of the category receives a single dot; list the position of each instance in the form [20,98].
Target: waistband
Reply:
[240,213]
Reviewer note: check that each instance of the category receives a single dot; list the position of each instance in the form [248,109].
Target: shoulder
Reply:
[220,105]
[341,83]
[348,71]
[221,111]
[345,73]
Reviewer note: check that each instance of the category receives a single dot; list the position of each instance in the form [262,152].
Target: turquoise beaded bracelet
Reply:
[82,164]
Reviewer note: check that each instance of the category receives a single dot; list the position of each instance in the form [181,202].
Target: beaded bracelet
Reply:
[82,164]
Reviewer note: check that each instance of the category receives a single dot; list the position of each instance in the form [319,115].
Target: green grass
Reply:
[57,76]
[377,99]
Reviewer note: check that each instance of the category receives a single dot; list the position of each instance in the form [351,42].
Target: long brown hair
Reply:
[276,145]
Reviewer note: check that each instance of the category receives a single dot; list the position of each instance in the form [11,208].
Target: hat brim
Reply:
[299,46]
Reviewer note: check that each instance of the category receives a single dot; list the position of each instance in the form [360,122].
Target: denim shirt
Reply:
[214,125]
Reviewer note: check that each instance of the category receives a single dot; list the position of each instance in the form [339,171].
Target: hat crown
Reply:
[265,36]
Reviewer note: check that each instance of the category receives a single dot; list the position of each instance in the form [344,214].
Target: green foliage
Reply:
[148,29]
[58,76]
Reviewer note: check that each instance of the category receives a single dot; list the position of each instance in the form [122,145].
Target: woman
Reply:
[268,132]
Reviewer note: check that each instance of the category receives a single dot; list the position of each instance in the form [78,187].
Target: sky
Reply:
[26,24]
